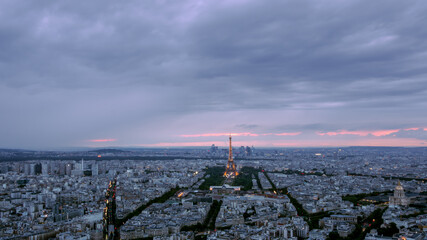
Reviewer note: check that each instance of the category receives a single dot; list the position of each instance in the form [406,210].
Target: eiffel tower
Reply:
[230,171]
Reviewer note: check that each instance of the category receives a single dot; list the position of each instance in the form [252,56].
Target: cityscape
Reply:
[294,193]
[213,120]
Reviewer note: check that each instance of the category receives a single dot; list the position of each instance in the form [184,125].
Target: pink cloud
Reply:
[406,142]
[181,144]
[205,144]
[288,134]
[219,134]
[239,134]
[103,140]
[411,129]
[384,132]
[390,142]
[377,133]
[282,134]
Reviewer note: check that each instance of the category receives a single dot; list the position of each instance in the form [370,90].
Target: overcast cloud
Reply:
[144,73]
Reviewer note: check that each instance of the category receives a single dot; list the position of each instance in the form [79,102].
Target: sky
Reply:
[189,73]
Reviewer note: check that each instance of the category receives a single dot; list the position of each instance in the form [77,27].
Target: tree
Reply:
[333,235]
[389,231]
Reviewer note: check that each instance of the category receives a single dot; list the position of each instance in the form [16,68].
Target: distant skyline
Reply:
[188,73]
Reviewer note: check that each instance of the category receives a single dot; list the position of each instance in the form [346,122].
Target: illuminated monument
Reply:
[230,171]
[399,198]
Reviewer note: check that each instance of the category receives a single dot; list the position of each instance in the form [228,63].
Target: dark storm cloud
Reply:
[321,51]
[102,69]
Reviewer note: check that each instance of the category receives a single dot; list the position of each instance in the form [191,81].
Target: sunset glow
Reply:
[411,129]
[184,144]
[383,137]
[219,134]
[240,134]
[287,134]
[377,133]
[405,142]
[103,140]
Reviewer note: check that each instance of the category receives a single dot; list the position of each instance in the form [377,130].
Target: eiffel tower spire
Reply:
[230,171]
[230,152]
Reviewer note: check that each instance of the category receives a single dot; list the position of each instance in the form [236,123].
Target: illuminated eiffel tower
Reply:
[230,171]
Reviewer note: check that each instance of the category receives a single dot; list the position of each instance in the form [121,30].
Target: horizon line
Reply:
[195,147]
